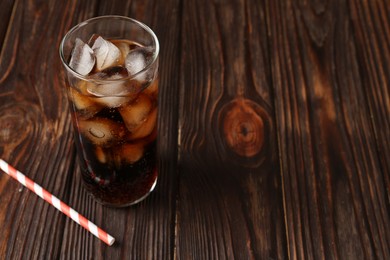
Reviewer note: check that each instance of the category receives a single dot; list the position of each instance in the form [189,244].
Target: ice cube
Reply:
[81,86]
[93,38]
[82,59]
[96,92]
[136,113]
[109,89]
[113,102]
[150,138]
[100,154]
[124,49]
[152,89]
[108,82]
[116,72]
[84,104]
[101,131]
[106,53]
[147,127]
[128,153]
[137,60]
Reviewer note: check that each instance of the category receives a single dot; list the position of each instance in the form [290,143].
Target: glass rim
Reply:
[115,17]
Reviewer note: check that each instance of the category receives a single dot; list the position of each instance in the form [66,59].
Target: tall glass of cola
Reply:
[111,64]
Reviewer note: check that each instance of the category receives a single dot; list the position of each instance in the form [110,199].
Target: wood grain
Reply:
[33,124]
[230,197]
[336,204]
[274,126]
[6,10]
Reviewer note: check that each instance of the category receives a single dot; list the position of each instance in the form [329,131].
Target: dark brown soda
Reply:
[115,186]
[113,181]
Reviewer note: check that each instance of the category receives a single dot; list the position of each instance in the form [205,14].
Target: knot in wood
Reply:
[13,129]
[243,127]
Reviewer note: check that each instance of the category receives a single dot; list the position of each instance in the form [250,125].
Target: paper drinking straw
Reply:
[68,211]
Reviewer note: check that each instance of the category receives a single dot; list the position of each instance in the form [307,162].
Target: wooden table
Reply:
[274,132]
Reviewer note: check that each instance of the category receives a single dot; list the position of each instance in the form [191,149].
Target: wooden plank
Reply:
[6,11]
[371,26]
[35,132]
[277,103]
[230,196]
[335,196]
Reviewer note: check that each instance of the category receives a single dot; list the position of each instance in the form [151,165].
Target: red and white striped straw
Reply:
[44,194]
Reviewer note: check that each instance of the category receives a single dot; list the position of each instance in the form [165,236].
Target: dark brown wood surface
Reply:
[274,132]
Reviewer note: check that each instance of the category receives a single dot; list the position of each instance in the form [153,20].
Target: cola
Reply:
[114,110]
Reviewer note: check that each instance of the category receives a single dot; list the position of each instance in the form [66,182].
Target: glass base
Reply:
[110,205]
